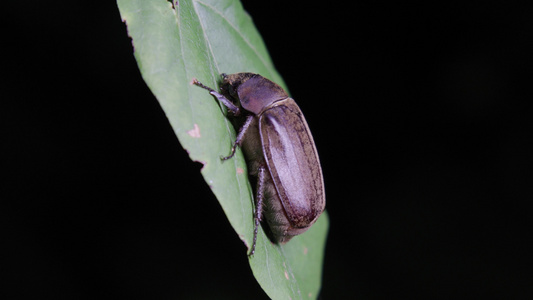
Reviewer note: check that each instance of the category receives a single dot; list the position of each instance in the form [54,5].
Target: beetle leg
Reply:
[240,136]
[258,205]
[231,107]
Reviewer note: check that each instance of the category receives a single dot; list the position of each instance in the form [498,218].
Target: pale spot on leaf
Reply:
[195,132]
[240,170]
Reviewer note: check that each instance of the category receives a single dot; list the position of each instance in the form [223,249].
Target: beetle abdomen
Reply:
[293,163]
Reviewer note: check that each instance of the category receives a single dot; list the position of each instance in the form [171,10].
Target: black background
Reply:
[421,115]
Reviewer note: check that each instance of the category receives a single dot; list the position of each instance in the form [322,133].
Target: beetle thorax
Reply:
[257,93]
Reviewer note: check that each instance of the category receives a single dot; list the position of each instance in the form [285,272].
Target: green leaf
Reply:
[174,43]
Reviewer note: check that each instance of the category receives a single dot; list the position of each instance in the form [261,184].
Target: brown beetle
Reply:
[280,152]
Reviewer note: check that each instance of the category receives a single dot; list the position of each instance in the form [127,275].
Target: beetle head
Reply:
[254,91]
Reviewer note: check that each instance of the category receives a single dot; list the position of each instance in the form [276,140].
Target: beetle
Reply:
[280,153]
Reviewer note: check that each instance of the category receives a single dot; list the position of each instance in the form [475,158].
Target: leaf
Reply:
[174,43]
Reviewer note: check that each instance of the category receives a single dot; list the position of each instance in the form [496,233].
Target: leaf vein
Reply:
[248,43]
[226,122]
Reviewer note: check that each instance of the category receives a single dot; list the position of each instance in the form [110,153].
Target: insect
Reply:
[280,153]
